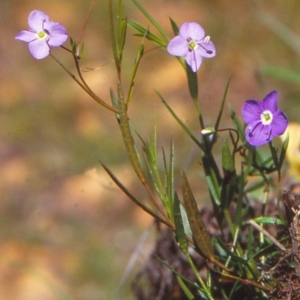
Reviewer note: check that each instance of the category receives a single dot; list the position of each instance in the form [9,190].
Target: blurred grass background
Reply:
[66,231]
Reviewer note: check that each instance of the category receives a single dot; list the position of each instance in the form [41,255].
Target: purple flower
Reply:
[264,120]
[192,44]
[42,35]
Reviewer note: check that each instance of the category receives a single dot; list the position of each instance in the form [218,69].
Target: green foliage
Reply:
[199,230]
[232,184]
[145,32]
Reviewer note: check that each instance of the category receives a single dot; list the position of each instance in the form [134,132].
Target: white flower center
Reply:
[266,117]
[192,44]
[41,35]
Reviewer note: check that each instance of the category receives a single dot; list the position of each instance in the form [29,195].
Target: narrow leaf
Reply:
[115,102]
[227,158]
[121,37]
[151,20]
[228,183]
[281,30]
[113,36]
[127,137]
[192,82]
[174,27]
[185,289]
[199,230]
[134,71]
[238,125]
[185,221]
[274,155]
[269,220]
[179,228]
[239,205]
[145,32]
[135,200]
[283,150]
[183,126]
[280,73]
[170,179]
[222,104]
[177,273]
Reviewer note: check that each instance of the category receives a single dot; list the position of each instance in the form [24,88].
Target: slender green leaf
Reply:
[183,126]
[222,105]
[214,189]
[256,186]
[250,241]
[238,259]
[135,200]
[113,36]
[283,151]
[81,51]
[199,230]
[281,73]
[185,289]
[170,179]
[174,27]
[229,180]
[274,155]
[115,102]
[269,220]
[227,158]
[281,30]
[192,82]
[238,125]
[185,221]
[178,274]
[151,20]
[239,202]
[121,37]
[179,228]
[127,137]
[213,176]
[134,71]
[145,32]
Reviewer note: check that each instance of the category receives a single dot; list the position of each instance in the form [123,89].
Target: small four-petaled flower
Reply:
[42,35]
[192,44]
[264,120]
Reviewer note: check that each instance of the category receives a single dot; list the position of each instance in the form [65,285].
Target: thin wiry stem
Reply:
[82,83]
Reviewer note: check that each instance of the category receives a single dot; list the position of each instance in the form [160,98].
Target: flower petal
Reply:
[252,110]
[194,60]
[178,46]
[258,134]
[58,34]
[36,20]
[270,101]
[39,49]
[192,31]
[279,123]
[206,49]
[26,36]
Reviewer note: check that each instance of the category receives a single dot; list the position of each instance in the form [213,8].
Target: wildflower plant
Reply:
[241,259]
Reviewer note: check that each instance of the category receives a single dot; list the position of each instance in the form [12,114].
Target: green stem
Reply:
[207,291]
[82,82]
[127,136]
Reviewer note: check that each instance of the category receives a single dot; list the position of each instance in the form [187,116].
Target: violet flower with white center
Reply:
[264,120]
[192,44]
[42,35]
